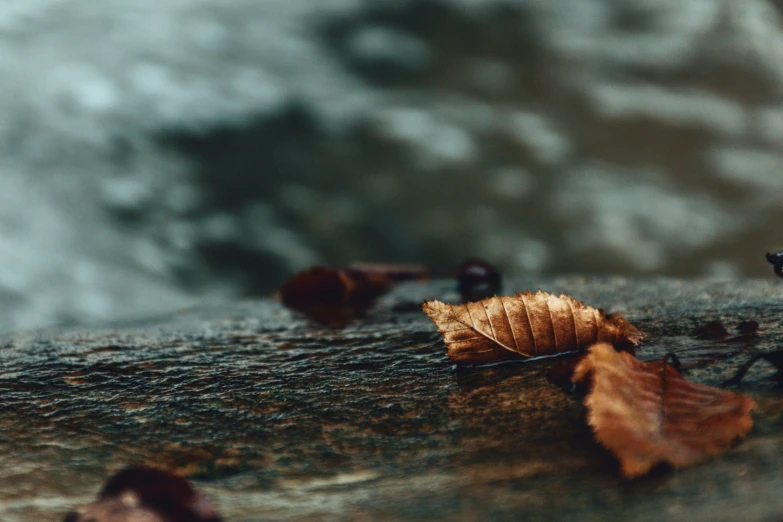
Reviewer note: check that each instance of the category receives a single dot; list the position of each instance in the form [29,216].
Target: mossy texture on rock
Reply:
[275,417]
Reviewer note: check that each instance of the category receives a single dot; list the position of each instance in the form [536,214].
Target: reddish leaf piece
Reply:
[526,325]
[146,494]
[646,413]
[333,296]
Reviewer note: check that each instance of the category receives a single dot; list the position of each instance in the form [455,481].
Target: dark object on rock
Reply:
[148,495]
[334,296]
[776,260]
[716,331]
[710,331]
[774,358]
[329,295]
[749,327]
[478,279]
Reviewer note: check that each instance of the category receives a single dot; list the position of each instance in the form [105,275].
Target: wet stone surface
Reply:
[277,418]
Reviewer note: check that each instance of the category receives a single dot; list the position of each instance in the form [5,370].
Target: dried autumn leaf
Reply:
[646,413]
[526,325]
[333,296]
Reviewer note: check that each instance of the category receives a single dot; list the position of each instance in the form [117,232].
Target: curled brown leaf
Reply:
[333,296]
[524,325]
[646,413]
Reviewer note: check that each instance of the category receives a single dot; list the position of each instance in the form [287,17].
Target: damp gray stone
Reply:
[278,418]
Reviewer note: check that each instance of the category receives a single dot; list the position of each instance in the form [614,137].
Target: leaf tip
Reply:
[629,331]
[431,308]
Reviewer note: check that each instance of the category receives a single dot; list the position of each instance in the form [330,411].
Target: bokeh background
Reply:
[159,154]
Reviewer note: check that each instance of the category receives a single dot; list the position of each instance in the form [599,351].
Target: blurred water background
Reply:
[155,155]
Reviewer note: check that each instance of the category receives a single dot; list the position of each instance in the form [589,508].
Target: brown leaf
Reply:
[526,325]
[333,296]
[646,413]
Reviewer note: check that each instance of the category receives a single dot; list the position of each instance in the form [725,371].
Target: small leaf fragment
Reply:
[524,325]
[776,260]
[333,296]
[711,331]
[646,413]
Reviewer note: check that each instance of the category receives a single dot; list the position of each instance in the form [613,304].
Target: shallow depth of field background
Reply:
[155,155]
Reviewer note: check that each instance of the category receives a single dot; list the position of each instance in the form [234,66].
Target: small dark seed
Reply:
[776,260]
[477,279]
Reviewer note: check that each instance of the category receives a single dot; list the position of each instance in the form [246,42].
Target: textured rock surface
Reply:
[277,418]
[154,151]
